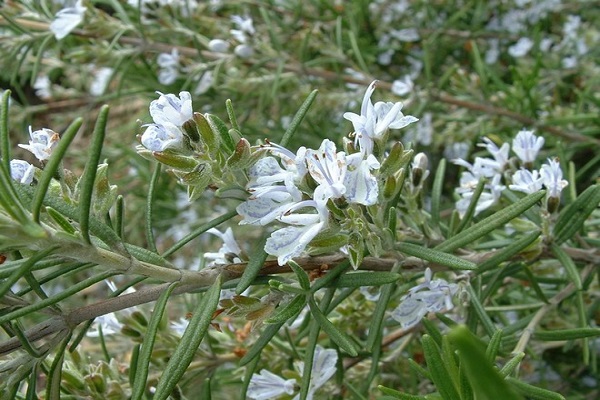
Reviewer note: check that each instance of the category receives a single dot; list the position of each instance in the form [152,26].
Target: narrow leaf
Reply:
[298,118]
[186,349]
[437,369]
[261,342]
[88,178]
[486,381]
[568,264]
[255,263]
[485,226]
[291,309]
[338,337]
[533,392]
[145,355]
[361,279]
[509,251]
[572,218]
[566,334]
[436,256]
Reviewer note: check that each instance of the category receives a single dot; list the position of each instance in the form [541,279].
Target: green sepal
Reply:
[104,194]
[241,157]
[356,249]
[176,160]
[221,131]
[209,137]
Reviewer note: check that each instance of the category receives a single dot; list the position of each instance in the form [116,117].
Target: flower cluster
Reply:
[496,170]
[282,191]
[267,385]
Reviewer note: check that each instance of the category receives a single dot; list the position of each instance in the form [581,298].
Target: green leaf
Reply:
[436,192]
[4,134]
[149,202]
[88,178]
[54,374]
[186,349]
[566,334]
[487,225]
[399,395]
[198,231]
[291,309]
[379,312]
[568,264]
[533,392]
[486,381]
[255,263]
[437,369]
[512,365]
[52,167]
[436,256]
[488,325]
[338,337]
[303,279]
[363,278]
[61,220]
[494,346]
[572,218]
[289,132]
[509,251]
[145,356]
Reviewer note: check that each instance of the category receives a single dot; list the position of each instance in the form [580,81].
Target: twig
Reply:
[539,315]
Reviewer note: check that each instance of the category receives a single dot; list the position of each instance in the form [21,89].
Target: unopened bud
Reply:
[190,129]
[393,161]
[552,204]
[218,46]
[419,169]
[389,187]
[97,382]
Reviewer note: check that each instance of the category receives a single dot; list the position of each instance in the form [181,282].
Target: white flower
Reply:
[205,83]
[228,250]
[267,385]
[21,171]
[323,368]
[406,35]
[169,64]
[100,81]
[429,296]
[243,51]
[526,146]
[402,87]
[108,323]
[169,108]
[289,242]
[375,120]
[552,178]
[245,26]
[361,185]
[162,137]
[218,46]
[328,169]
[42,87]
[67,19]
[521,48]
[179,327]
[526,181]
[42,143]
[486,199]
[493,52]
[500,154]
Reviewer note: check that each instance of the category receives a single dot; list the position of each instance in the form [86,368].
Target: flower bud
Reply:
[419,169]
[218,46]
[97,382]
[356,249]
[190,129]
[394,160]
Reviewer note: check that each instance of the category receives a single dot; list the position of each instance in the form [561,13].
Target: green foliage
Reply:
[442,288]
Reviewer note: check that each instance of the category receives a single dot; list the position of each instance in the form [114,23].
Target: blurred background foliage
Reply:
[470,74]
